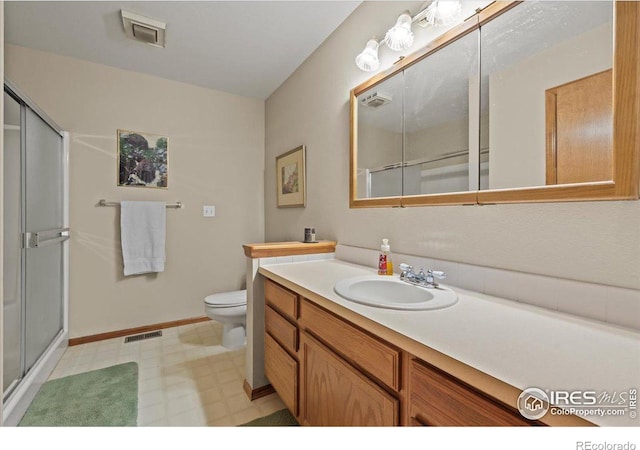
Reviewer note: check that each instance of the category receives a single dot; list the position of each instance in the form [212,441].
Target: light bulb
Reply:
[400,37]
[442,13]
[368,59]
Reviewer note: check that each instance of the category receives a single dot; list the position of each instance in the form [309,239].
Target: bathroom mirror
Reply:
[546,93]
[548,113]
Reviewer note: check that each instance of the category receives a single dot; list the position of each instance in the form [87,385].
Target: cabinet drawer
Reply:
[281,329]
[366,352]
[440,400]
[282,371]
[281,299]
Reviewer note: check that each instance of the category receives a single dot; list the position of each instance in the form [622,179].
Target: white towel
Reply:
[143,227]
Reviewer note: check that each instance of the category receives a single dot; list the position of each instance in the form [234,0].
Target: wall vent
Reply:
[143,29]
[140,337]
[375,99]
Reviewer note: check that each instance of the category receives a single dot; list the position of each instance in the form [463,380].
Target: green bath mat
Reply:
[282,418]
[100,398]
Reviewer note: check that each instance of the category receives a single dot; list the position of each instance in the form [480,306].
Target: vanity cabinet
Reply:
[330,372]
[325,370]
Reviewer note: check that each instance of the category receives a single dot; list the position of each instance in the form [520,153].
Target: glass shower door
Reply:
[44,236]
[33,237]
[12,304]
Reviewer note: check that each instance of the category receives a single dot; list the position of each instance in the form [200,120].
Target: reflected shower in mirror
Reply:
[440,94]
[546,94]
[379,170]
[413,128]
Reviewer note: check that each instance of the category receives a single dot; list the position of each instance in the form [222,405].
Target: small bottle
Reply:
[384,260]
[389,263]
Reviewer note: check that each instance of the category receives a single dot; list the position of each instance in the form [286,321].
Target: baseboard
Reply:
[256,393]
[136,330]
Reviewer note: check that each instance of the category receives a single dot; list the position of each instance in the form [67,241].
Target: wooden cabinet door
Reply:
[336,394]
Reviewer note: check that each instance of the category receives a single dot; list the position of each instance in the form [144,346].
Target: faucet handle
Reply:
[437,273]
[406,267]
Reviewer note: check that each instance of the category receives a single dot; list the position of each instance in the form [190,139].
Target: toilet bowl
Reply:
[230,309]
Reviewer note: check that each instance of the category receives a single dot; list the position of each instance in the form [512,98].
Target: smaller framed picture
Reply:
[290,178]
[142,159]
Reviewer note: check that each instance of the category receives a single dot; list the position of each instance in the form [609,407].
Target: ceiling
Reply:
[246,48]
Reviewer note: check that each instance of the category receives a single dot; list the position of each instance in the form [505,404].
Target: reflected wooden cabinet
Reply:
[336,394]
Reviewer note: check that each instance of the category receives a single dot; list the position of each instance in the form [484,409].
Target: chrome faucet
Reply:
[421,278]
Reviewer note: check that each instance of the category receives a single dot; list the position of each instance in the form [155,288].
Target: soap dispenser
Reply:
[385,264]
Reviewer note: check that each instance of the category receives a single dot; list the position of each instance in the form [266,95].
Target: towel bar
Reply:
[103,202]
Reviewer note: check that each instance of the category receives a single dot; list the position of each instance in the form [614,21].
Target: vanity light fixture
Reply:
[368,59]
[400,37]
[443,13]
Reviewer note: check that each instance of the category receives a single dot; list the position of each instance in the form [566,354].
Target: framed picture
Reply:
[290,178]
[142,159]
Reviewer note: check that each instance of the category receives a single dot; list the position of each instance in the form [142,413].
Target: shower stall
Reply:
[35,250]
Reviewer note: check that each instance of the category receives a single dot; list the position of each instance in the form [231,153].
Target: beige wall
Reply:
[591,241]
[378,147]
[216,147]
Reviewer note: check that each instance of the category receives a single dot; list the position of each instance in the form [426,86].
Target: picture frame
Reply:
[291,178]
[142,159]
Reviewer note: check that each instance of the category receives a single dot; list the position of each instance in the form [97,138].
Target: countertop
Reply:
[518,344]
[271,249]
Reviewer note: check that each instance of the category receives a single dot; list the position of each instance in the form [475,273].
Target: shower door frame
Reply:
[16,404]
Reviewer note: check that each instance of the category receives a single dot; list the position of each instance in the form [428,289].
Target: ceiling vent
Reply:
[375,99]
[143,29]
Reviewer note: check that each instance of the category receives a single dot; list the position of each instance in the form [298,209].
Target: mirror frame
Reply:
[625,184]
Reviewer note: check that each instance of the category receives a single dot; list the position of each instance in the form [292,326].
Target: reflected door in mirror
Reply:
[579,120]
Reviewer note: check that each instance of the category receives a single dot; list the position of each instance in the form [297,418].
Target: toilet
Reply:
[230,309]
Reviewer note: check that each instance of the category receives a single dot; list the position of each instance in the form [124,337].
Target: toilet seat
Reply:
[226,299]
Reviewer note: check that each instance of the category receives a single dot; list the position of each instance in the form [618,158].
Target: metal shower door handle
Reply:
[44,238]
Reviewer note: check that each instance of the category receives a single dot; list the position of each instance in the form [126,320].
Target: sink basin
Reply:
[392,293]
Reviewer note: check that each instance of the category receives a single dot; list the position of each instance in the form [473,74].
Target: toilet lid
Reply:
[227,299]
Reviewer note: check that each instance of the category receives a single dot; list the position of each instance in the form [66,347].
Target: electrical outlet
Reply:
[209,211]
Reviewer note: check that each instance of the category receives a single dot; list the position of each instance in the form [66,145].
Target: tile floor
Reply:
[186,377]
